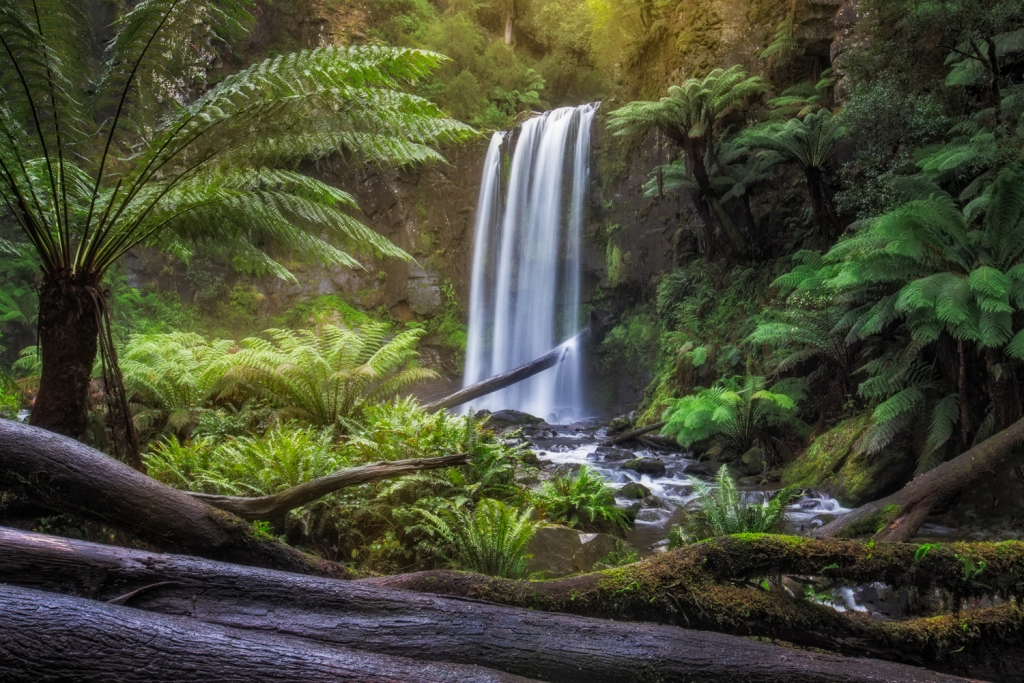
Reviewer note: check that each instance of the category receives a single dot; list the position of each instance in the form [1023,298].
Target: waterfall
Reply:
[525,287]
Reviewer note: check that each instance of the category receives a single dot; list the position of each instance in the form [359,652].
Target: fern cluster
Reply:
[722,510]
[324,377]
[491,539]
[737,413]
[582,500]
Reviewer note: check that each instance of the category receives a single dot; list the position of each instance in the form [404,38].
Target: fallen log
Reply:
[275,506]
[52,637]
[65,475]
[421,626]
[506,379]
[629,436]
[897,518]
[701,586]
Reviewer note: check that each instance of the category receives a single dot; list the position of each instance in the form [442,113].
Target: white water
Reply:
[525,287]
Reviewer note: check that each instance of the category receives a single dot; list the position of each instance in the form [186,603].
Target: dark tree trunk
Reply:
[826,220]
[1003,390]
[424,626]
[68,476]
[68,341]
[51,637]
[695,160]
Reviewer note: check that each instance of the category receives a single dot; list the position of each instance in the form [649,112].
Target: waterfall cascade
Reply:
[525,287]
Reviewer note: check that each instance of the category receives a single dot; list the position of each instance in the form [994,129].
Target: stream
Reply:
[564,448]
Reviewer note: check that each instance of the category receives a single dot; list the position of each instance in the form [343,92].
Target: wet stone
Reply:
[649,466]
[611,453]
[634,491]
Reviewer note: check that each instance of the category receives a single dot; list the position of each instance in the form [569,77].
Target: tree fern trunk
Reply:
[68,341]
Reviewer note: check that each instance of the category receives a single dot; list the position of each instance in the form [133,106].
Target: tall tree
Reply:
[98,156]
[693,115]
[810,143]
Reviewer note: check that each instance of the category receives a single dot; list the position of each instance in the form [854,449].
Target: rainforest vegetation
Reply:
[236,243]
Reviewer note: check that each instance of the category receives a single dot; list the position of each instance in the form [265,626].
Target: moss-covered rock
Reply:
[833,463]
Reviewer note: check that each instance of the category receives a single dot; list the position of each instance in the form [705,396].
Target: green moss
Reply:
[833,463]
[872,524]
[826,455]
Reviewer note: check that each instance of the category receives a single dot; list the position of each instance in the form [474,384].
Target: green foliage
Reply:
[325,376]
[171,166]
[247,466]
[737,413]
[722,511]
[10,397]
[489,540]
[582,500]
[170,378]
[693,116]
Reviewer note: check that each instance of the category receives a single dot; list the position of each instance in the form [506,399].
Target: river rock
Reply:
[652,501]
[634,491]
[753,460]
[509,418]
[559,551]
[611,454]
[649,466]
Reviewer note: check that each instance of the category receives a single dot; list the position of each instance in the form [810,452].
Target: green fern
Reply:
[326,376]
[693,116]
[489,540]
[737,413]
[99,156]
[722,511]
[582,500]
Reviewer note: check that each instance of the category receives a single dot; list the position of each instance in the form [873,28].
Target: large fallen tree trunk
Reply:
[897,518]
[51,637]
[514,376]
[277,505]
[67,476]
[420,626]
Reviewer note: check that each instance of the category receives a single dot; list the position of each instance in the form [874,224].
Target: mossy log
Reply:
[703,586]
[52,637]
[352,614]
[897,518]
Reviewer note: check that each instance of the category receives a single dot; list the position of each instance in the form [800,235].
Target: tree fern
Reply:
[98,156]
[324,376]
[693,115]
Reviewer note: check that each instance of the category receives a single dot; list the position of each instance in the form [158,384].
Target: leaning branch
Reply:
[629,436]
[897,518]
[277,505]
[506,379]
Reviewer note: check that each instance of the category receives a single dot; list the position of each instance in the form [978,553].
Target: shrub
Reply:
[490,540]
[582,500]
[722,511]
[248,466]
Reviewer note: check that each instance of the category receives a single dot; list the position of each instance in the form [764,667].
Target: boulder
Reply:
[634,491]
[753,460]
[554,549]
[560,551]
[509,418]
[834,464]
[611,453]
[652,501]
[649,466]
